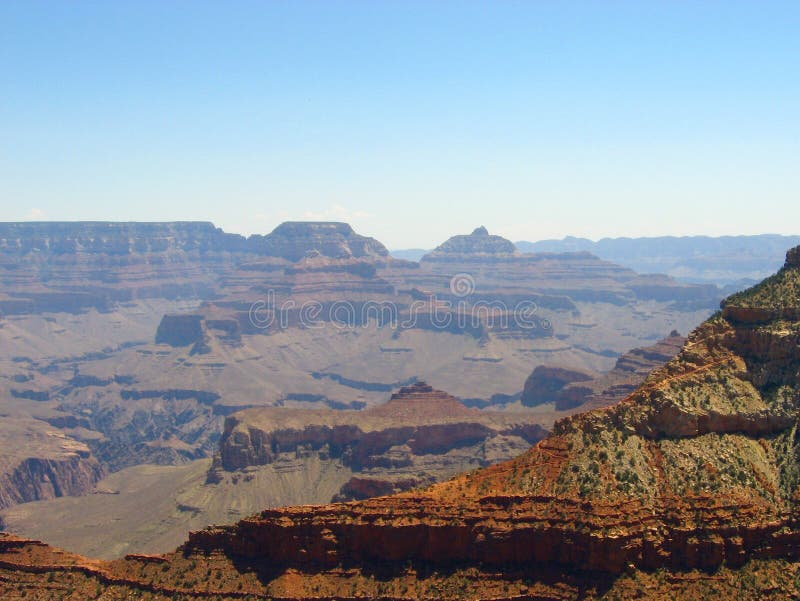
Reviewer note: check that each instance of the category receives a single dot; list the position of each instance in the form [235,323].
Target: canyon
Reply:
[686,489]
[127,346]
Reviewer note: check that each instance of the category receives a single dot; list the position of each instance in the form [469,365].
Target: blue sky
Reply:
[412,120]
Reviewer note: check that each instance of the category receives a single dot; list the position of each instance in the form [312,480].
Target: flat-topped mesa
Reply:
[40,462]
[294,240]
[479,242]
[114,237]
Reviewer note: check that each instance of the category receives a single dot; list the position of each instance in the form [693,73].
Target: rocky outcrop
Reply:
[571,389]
[793,258]
[42,463]
[419,436]
[546,382]
[196,329]
[36,479]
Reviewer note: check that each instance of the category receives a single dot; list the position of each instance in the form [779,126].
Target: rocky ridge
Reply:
[728,261]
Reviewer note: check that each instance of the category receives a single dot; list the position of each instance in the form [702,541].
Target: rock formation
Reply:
[75,266]
[478,242]
[81,345]
[40,462]
[81,305]
[180,330]
[72,238]
[547,382]
[579,389]
[294,240]
[687,489]
[418,437]
[500,271]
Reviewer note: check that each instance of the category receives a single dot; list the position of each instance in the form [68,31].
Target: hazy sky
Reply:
[413,121]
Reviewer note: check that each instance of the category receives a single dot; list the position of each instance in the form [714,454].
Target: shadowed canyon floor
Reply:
[687,489]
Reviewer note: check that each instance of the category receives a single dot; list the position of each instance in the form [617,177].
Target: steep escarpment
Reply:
[39,462]
[686,489]
[67,238]
[419,436]
[572,388]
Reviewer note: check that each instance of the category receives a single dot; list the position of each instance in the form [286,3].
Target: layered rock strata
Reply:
[686,489]
[39,462]
[695,469]
[419,436]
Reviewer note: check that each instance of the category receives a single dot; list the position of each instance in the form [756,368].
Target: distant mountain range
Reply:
[725,261]
[731,262]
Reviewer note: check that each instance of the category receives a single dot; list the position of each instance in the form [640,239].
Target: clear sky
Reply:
[411,120]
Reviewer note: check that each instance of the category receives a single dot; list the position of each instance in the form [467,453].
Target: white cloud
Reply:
[35,214]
